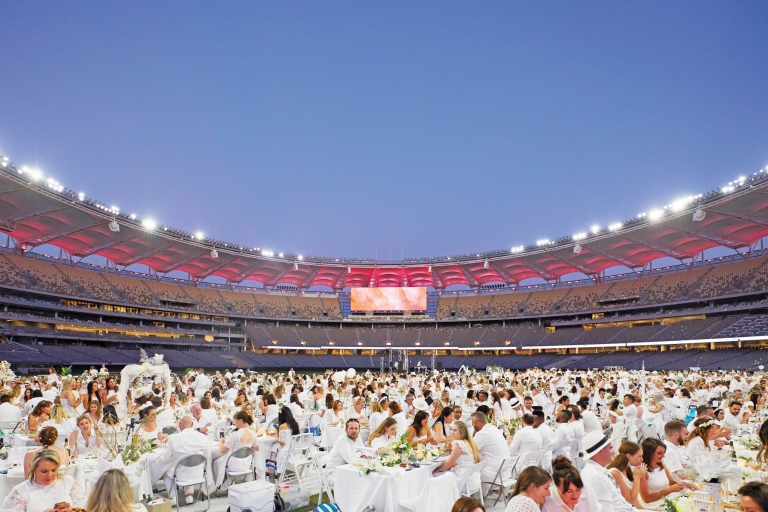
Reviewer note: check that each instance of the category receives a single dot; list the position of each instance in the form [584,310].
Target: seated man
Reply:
[676,459]
[202,423]
[9,413]
[187,442]
[598,453]
[526,439]
[346,450]
[491,444]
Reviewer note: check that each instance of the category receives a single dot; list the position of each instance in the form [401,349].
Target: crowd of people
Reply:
[582,440]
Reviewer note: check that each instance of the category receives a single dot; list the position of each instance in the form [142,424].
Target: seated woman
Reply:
[113,493]
[355,411]
[396,413]
[567,491]
[658,483]
[59,420]
[419,432]
[45,488]
[377,415]
[630,455]
[332,417]
[286,430]
[40,414]
[94,411]
[148,428]
[384,434]
[531,490]
[464,455]
[240,438]
[295,405]
[443,426]
[84,440]
[47,438]
[703,437]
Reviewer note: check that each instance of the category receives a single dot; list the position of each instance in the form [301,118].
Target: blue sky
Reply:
[433,128]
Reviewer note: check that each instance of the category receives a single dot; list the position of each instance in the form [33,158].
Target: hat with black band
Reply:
[593,443]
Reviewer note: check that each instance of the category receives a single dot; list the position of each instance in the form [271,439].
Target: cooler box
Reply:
[253,496]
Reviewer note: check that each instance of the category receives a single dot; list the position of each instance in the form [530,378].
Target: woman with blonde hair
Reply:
[85,439]
[113,493]
[63,424]
[47,439]
[384,434]
[464,455]
[69,398]
[45,488]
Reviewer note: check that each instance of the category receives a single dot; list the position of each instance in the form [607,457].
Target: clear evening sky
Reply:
[331,128]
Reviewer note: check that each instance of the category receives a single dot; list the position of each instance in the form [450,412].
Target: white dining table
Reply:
[383,490]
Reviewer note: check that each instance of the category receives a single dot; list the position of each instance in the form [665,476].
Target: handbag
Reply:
[279,503]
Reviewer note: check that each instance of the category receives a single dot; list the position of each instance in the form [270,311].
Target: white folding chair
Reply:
[527,460]
[191,461]
[502,480]
[438,495]
[463,484]
[246,452]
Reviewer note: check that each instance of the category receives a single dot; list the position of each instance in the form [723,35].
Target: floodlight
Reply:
[199,235]
[595,229]
[300,257]
[149,224]
[577,248]
[214,253]
[727,189]
[579,236]
[35,175]
[655,214]
[543,241]
[615,226]
[81,196]
[280,255]
[114,226]
[699,215]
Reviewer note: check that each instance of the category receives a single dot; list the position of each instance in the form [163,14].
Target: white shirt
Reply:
[344,452]
[591,422]
[676,457]
[526,439]
[493,449]
[187,442]
[605,488]
[9,413]
[588,501]
[563,441]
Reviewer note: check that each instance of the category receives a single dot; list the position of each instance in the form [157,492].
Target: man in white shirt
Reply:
[676,458]
[588,418]
[51,392]
[563,436]
[491,444]
[201,384]
[201,423]
[599,453]
[547,438]
[9,413]
[732,417]
[187,442]
[345,451]
[526,439]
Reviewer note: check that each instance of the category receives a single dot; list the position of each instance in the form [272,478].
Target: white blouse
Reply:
[33,497]
[522,503]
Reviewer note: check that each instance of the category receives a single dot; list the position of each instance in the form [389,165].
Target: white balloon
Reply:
[351,373]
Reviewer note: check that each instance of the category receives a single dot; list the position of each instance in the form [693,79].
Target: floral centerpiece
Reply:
[398,451]
[751,442]
[679,504]
[420,453]
[137,447]
[6,374]
[511,424]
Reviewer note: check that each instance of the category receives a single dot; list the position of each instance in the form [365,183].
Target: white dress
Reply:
[66,427]
[71,411]
[234,442]
[32,497]
[522,503]
[284,436]
[657,481]
[272,413]
[464,463]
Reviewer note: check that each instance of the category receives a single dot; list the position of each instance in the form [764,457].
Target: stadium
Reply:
[639,293]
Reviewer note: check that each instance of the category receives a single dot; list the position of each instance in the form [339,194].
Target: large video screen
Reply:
[389,299]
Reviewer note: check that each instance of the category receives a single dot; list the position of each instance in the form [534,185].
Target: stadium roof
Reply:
[35,211]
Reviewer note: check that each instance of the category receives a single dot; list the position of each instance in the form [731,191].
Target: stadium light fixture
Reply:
[300,257]
[543,241]
[577,248]
[655,214]
[114,226]
[149,224]
[35,174]
[199,235]
[595,229]
[214,253]
[699,215]
[615,226]
[133,216]
[485,265]
[727,189]
[579,236]
[280,255]
[81,196]
[515,250]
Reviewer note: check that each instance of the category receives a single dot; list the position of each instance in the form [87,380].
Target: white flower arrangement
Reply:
[751,442]
[679,504]
[6,373]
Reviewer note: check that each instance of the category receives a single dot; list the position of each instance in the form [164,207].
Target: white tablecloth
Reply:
[384,491]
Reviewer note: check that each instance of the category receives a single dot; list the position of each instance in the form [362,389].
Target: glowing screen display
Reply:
[389,299]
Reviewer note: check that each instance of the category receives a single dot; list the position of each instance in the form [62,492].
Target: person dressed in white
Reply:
[240,438]
[383,435]
[9,413]
[187,442]
[201,423]
[599,453]
[201,384]
[84,440]
[526,439]
[345,451]
[704,438]
[464,455]
[45,488]
[563,435]
[568,492]
[491,443]
[676,459]
[547,437]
